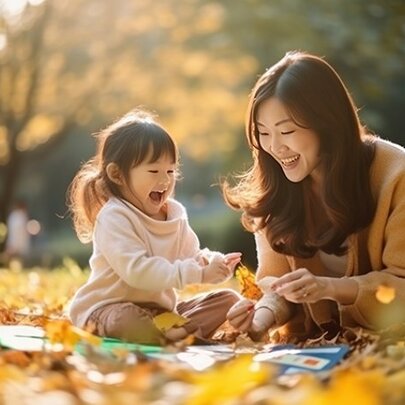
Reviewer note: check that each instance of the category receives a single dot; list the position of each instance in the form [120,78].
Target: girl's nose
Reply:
[164,179]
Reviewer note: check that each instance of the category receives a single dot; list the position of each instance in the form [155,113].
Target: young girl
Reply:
[326,201]
[143,246]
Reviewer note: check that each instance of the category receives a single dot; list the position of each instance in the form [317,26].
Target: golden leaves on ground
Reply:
[63,332]
[168,320]
[385,294]
[372,374]
[227,381]
[349,387]
[248,286]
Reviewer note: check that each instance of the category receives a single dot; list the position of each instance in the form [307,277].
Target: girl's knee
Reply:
[227,297]
[133,324]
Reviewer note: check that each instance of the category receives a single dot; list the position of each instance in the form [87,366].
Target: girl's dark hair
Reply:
[316,98]
[127,142]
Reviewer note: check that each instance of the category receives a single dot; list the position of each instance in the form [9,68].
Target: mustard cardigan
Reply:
[376,256]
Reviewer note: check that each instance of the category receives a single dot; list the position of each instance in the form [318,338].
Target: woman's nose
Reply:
[276,143]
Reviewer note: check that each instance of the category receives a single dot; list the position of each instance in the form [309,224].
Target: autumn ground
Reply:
[372,373]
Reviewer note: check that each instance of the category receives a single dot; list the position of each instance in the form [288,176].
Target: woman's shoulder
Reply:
[388,167]
[387,150]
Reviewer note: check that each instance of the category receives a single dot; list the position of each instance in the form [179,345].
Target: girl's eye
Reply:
[263,134]
[152,171]
[170,171]
[287,132]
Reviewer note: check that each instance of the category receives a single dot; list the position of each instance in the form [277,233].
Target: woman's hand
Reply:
[263,319]
[244,317]
[241,314]
[302,286]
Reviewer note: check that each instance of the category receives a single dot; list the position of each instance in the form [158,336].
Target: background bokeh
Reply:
[70,67]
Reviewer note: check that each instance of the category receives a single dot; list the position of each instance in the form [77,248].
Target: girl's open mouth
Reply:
[156,196]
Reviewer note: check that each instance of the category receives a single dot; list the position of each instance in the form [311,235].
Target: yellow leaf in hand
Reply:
[385,294]
[168,320]
[249,288]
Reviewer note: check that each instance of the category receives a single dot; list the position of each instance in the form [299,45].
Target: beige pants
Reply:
[134,323]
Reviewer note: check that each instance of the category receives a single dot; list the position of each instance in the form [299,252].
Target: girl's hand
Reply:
[232,260]
[302,286]
[216,272]
[241,314]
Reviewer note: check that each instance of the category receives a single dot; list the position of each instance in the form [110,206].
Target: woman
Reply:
[326,202]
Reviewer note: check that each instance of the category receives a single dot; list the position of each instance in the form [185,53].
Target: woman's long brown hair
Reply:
[316,98]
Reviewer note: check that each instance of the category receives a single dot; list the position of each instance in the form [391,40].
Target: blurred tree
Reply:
[42,95]
[83,62]
[68,67]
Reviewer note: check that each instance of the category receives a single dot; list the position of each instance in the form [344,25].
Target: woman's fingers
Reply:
[247,322]
[243,321]
[242,307]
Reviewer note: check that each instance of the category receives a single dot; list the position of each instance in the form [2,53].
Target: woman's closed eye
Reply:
[287,132]
[157,171]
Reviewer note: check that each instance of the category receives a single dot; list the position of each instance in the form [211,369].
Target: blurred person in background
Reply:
[18,242]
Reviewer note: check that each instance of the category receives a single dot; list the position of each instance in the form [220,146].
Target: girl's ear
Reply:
[114,173]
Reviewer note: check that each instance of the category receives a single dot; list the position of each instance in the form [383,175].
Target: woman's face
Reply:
[296,149]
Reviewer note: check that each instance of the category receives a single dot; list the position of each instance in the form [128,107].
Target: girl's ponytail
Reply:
[87,193]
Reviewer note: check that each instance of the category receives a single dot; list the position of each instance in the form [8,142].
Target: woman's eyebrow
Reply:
[277,123]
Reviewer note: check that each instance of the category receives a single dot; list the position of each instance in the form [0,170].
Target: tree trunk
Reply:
[10,175]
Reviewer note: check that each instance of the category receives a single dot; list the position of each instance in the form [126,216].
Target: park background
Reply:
[70,67]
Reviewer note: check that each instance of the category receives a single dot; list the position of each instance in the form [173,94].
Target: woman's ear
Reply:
[114,173]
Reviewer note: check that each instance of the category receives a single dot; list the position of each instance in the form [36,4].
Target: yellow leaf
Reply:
[168,320]
[63,332]
[385,294]
[60,331]
[349,387]
[87,336]
[227,382]
[246,279]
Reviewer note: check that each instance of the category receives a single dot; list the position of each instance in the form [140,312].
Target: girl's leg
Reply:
[127,321]
[207,312]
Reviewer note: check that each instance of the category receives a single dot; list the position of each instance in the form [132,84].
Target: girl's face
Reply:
[296,149]
[150,185]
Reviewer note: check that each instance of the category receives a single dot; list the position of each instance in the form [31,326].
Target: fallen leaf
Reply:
[168,320]
[227,382]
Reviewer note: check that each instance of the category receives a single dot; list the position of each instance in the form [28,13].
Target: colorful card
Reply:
[306,359]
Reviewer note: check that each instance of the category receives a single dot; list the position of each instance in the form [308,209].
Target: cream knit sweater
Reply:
[376,257]
[138,259]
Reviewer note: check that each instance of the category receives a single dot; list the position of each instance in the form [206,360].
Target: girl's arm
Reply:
[126,253]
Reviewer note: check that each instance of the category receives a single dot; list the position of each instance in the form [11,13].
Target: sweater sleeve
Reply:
[124,249]
[270,265]
[367,310]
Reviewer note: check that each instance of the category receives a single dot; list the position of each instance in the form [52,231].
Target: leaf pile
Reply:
[373,374]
